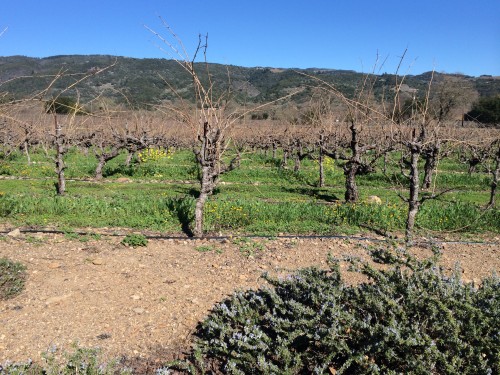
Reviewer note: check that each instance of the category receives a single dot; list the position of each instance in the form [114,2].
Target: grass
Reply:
[248,247]
[12,278]
[208,248]
[258,198]
[70,235]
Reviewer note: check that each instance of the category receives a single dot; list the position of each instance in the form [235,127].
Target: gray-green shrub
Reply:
[409,318]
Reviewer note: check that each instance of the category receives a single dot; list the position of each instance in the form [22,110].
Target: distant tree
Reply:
[451,97]
[485,110]
[63,105]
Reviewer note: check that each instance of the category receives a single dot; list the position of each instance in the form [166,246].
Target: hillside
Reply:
[148,81]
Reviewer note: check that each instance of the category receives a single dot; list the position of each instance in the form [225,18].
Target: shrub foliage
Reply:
[408,318]
[135,240]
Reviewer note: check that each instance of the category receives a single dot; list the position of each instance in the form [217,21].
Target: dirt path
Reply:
[145,301]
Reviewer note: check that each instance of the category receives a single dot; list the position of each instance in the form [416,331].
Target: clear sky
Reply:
[446,35]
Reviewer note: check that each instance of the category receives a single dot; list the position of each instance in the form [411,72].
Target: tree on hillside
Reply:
[63,105]
[450,97]
[485,110]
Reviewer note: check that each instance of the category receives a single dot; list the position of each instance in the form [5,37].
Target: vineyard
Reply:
[290,179]
[135,222]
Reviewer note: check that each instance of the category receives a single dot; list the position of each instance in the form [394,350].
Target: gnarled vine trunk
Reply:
[320,161]
[103,158]
[352,166]
[430,155]
[61,150]
[212,145]
[414,189]
[496,176]
[351,188]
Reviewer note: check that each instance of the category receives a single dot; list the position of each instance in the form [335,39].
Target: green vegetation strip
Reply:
[259,198]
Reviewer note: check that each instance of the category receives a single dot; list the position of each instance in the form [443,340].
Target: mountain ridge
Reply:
[144,81]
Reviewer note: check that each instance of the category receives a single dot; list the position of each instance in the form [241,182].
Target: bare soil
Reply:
[145,302]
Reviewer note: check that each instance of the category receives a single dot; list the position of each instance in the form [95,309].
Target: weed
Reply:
[71,235]
[79,361]
[135,240]
[12,278]
[208,248]
[204,248]
[154,155]
[82,237]
[248,247]
[90,237]
[34,240]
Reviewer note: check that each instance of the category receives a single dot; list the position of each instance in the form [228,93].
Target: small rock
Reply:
[139,310]
[15,233]
[54,265]
[135,297]
[57,299]
[98,261]
[373,199]
[103,336]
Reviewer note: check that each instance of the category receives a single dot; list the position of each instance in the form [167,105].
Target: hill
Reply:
[141,82]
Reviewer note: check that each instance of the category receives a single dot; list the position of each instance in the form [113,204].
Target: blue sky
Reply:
[450,36]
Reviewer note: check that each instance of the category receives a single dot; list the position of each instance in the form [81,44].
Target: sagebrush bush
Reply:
[408,318]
